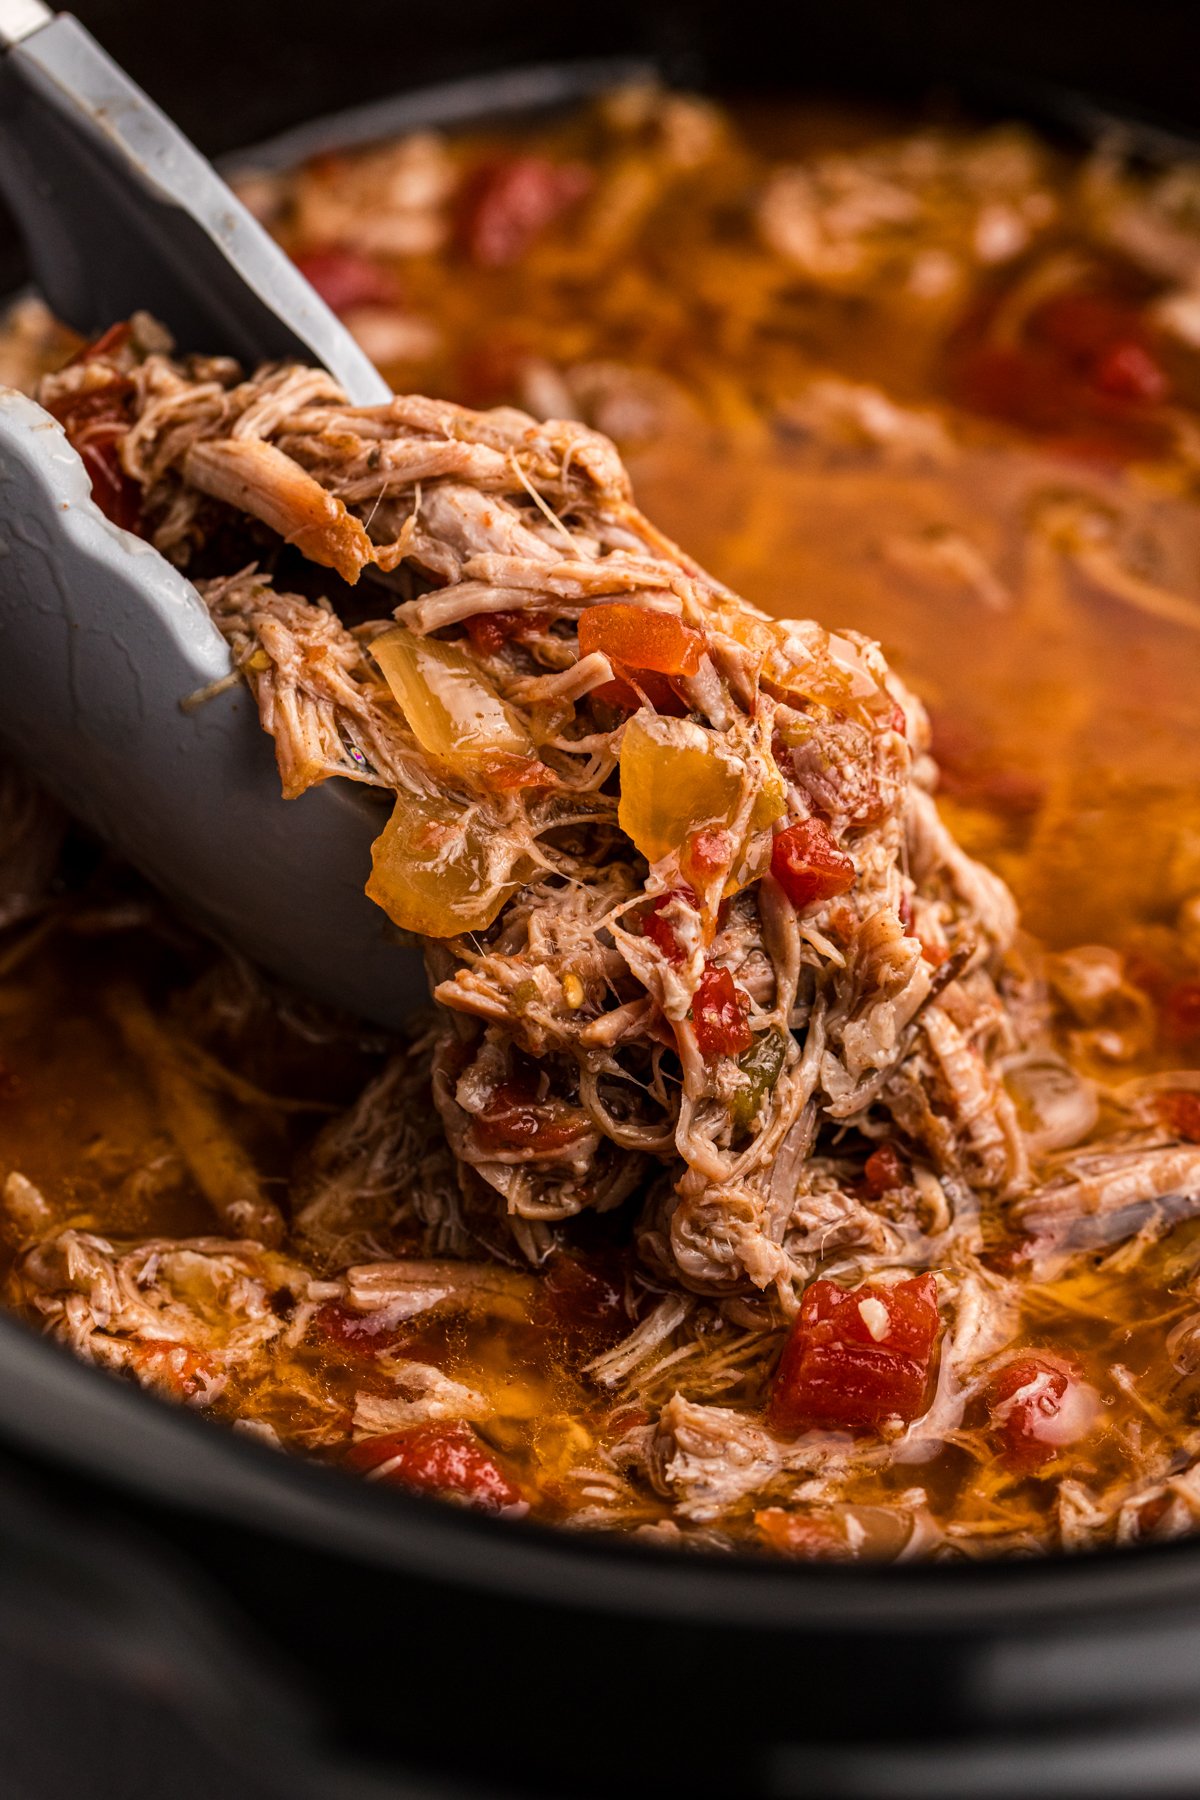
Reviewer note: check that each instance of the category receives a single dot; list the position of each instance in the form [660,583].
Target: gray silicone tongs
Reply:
[100,638]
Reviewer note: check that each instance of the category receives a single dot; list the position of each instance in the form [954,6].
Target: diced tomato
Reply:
[805,1535]
[366,1334]
[1105,340]
[643,689]
[346,278]
[489,632]
[1085,374]
[969,772]
[885,1169]
[506,204]
[855,1359]
[507,774]
[1179,1110]
[587,1293]
[707,852]
[1181,1012]
[657,929]
[1038,1405]
[640,638]
[1129,372]
[442,1458]
[808,865]
[1008,382]
[719,1016]
[515,1121]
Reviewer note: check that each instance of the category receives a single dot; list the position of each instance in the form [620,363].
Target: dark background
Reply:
[233,71]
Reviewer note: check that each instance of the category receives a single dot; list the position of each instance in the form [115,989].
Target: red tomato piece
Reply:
[1082,325]
[445,1458]
[640,638]
[1038,1405]
[1181,1012]
[506,774]
[1007,382]
[95,422]
[656,928]
[489,632]
[719,1016]
[346,278]
[854,1359]
[643,689]
[808,865]
[173,1368]
[707,852]
[515,1121]
[1128,372]
[587,1293]
[885,1169]
[506,204]
[1105,340]
[1179,1111]
[366,1334]
[804,1535]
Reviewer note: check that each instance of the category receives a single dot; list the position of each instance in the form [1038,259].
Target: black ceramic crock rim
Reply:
[65,1415]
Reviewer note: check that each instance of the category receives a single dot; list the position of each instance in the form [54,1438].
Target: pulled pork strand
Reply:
[665,852]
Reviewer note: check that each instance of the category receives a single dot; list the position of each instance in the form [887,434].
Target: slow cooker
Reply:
[185,1614]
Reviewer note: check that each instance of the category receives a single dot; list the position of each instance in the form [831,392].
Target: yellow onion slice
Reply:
[453,710]
[673,781]
[440,868]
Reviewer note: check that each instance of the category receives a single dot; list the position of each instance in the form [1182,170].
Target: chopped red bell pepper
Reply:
[445,1458]
[346,278]
[1179,1110]
[506,204]
[719,1016]
[1038,1405]
[640,638]
[855,1359]
[808,865]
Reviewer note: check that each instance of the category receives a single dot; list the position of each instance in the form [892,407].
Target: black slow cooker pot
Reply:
[185,1615]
